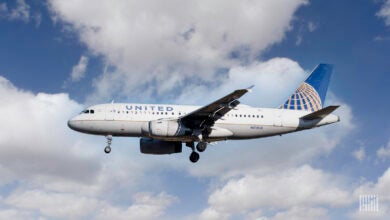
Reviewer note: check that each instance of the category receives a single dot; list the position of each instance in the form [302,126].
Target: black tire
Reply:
[194,157]
[201,146]
[107,150]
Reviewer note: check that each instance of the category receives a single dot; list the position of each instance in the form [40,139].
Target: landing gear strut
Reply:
[107,149]
[194,156]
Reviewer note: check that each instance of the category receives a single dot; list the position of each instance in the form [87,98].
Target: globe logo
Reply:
[304,98]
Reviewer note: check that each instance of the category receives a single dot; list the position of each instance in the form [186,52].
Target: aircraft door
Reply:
[278,119]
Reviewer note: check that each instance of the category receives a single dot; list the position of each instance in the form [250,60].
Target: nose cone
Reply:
[72,124]
[75,124]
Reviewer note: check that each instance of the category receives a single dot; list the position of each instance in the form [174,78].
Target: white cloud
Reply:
[35,138]
[311,26]
[296,187]
[172,43]
[299,40]
[384,152]
[72,206]
[146,206]
[53,205]
[212,214]
[38,19]
[56,176]
[78,71]
[359,154]
[3,9]
[379,188]
[384,12]
[14,214]
[20,12]
[277,78]
[299,213]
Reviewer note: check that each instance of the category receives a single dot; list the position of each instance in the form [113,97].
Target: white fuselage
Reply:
[243,122]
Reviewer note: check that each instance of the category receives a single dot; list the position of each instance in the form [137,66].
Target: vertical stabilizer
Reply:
[310,95]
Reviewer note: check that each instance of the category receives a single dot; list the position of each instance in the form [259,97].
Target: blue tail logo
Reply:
[310,95]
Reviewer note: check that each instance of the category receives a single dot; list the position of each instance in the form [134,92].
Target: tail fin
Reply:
[310,95]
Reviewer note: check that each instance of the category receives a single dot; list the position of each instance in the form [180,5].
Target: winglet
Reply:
[249,89]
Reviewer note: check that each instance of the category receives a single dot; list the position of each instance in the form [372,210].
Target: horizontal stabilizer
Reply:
[322,113]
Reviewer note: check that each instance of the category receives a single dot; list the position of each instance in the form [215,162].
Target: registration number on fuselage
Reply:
[255,127]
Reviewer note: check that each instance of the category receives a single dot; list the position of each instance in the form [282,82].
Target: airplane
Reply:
[164,128]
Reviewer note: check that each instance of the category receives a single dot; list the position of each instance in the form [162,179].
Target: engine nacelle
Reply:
[152,146]
[165,128]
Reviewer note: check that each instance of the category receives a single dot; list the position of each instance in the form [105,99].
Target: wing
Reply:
[207,115]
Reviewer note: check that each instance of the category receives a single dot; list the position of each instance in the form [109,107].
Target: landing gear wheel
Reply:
[194,157]
[201,146]
[107,149]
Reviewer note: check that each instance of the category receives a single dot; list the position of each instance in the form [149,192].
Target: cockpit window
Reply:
[85,111]
[92,111]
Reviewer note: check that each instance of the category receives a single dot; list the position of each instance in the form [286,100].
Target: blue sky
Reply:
[57,57]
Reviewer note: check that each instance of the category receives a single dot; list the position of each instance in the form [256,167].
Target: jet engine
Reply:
[165,128]
[152,146]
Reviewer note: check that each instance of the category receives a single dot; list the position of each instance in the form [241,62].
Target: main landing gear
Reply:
[201,146]
[194,156]
[107,149]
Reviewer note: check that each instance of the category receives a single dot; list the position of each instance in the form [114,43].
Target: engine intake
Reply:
[152,146]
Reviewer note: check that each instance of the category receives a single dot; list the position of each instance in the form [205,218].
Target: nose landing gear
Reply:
[107,149]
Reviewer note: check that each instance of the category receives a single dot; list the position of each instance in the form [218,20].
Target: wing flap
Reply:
[322,113]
